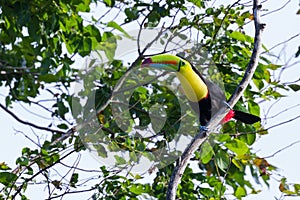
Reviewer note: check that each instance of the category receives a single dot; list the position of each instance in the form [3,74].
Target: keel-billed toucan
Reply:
[205,97]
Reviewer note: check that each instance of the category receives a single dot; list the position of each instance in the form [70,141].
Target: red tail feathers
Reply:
[241,116]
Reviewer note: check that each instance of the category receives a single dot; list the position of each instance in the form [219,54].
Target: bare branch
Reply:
[284,148]
[28,123]
[214,122]
[18,190]
[27,137]
[281,43]
[284,122]
[278,9]
[282,111]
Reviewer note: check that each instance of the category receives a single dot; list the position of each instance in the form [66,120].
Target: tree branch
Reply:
[215,121]
[19,188]
[28,123]
[284,148]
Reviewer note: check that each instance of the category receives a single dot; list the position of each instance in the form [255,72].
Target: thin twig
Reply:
[278,9]
[281,43]
[39,172]
[28,123]
[284,122]
[284,148]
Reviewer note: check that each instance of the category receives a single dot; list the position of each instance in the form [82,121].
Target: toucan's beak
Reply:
[160,62]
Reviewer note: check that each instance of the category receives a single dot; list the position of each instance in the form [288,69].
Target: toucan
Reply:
[205,97]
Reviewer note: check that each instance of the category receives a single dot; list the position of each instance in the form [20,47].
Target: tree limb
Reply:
[28,123]
[215,121]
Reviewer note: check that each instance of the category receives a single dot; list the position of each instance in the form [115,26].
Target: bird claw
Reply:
[203,128]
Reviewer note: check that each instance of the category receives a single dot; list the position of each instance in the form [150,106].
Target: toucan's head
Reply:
[166,62]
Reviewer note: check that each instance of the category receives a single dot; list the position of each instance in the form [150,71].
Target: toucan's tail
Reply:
[245,117]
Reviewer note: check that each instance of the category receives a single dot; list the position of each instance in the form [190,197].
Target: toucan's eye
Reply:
[180,64]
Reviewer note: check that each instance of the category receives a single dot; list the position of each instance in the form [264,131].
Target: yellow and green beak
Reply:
[166,62]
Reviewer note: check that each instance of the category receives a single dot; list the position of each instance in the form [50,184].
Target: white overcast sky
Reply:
[280,26]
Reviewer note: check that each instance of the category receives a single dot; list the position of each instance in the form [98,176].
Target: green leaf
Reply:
[92,31]
[240,192]
[222,160]
[133,157]
[62,109]
[140,146]
[198,3]
[4,166]
[238,36]
[85,46]
[63,126]
[55,157]
[7,178]
[254,108]
[206,152]
[209,11]
[154,18]
[26,151]
[113,146]
[74,180]
[23,161]
[249,138]
[149,155]
[182,36]
[263,132]
[294,87]
[101,151]
[222,137]
[109,3]
[237,163]
[274,66]
[131,13]
[119,28]
[48,78]
[241,37]
[237,146]
[108,45]
[44,152]
[120,160]
[141,90]
[258,83]
[297,188]
[206,192]
[288,192]
[82,6]
[136,189]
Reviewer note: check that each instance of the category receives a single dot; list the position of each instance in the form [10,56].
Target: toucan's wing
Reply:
[217,97]
[216,94]
[210,105]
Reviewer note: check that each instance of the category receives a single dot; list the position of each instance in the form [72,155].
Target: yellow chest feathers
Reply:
[193,86]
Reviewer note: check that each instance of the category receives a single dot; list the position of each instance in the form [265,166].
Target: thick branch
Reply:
[215,121]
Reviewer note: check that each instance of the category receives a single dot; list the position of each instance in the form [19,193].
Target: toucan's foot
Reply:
[203,128]
[227,104]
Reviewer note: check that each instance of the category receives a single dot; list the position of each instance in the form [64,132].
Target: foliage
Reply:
[40,41]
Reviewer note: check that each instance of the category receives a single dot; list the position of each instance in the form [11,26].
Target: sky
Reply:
[280,26]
